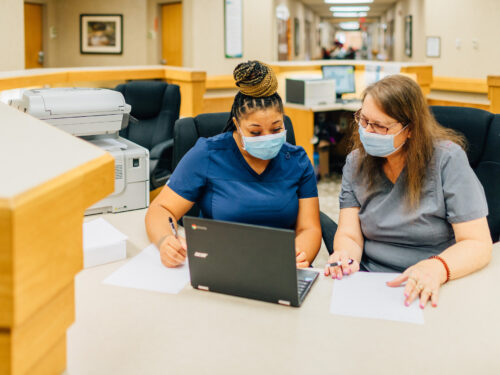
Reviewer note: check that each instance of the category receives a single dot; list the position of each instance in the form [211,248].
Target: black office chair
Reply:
[188,130]
[156,105]
[482,131]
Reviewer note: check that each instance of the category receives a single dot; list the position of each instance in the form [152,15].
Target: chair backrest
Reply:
[156,105]
[187,131]
[482,131]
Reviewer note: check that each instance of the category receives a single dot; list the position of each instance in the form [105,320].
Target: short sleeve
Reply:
[463,193]
[347,197]
[190,176]
[307,184]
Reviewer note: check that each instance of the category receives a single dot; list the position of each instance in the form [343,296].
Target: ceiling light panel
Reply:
[348,1]
[349,14]
[350,9]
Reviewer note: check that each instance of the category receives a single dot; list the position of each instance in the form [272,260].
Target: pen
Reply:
[339,263]
[172,226]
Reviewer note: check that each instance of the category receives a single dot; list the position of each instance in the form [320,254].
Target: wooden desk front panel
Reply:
[45,237]
[41,251]
[303,127]
[39,344]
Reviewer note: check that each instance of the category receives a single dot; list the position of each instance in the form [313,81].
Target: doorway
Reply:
[33,35]
[171,34]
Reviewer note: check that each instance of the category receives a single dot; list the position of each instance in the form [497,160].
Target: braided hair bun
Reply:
[255,79]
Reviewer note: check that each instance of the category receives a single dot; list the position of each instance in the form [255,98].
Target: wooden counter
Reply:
[48,179]
[190,81]
[494,93]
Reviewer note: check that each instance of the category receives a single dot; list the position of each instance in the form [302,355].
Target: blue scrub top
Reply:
[215,175]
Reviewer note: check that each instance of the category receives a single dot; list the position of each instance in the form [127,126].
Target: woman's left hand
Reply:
[423,280]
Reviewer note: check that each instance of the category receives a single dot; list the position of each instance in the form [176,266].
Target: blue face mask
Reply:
[264,147]
[378,144]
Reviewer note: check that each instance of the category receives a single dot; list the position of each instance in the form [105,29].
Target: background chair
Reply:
[188,130]
[156,105]
[482,131]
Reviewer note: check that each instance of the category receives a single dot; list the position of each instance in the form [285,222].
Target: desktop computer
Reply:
[344,79]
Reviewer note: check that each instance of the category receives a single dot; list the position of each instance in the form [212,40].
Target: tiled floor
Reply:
[328,190]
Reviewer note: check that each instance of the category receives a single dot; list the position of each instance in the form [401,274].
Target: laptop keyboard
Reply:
[305,279]
[302,284]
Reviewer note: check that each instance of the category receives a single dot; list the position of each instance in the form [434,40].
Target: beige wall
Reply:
[11,35]
[450,20]
[68,26]
[204,45]
[415,8]
[302,13]
[468,21]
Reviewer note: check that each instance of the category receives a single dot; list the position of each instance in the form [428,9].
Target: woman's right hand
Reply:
[345,268]
[173,251]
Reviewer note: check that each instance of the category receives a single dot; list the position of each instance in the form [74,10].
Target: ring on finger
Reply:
[412,279]
[427,291]
[419,287]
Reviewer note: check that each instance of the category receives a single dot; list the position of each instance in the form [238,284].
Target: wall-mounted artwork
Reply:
[296,36]
[433,46]
[101,34]
[233,28]
[408,36]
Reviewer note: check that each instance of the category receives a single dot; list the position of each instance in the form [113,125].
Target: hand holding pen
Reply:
[172,247]
[340,263]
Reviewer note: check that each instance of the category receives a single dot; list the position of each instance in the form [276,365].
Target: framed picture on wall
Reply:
[296,36]
[408,35]
[233,28]
[433,46]
[101,34]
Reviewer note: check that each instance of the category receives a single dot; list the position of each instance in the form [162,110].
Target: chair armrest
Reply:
[160,148]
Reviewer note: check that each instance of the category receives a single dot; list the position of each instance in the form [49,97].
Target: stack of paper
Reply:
[102,243]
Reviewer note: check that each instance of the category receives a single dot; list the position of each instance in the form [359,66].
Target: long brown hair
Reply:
[401,98]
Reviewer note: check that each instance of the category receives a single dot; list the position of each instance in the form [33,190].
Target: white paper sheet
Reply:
[145,271]
[365,295]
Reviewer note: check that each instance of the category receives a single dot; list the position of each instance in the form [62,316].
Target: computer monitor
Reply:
[344,78]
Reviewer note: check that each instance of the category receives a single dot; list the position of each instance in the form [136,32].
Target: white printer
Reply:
[97,115]
[310,92]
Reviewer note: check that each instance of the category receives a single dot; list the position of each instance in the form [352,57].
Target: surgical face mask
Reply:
[378,144]
[264,147]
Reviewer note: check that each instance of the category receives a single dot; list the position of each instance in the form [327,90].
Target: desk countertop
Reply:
[34,152]
[126,331]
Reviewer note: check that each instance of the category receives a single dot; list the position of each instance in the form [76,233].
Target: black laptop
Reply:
[246,260]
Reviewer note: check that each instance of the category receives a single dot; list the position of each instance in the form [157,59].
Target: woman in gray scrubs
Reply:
[409,201]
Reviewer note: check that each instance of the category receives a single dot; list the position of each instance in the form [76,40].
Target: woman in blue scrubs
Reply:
[247,174]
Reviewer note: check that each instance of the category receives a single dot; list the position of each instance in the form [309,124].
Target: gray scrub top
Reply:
[396,238]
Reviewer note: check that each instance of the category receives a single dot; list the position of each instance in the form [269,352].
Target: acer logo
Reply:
[197,227]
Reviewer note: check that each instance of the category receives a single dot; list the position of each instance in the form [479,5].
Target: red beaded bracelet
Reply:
[445,266]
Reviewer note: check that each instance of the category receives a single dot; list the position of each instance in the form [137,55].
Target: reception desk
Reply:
[48,179]
[190,81]
[422,71]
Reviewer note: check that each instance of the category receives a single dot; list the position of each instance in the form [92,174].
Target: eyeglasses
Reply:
[378,128]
